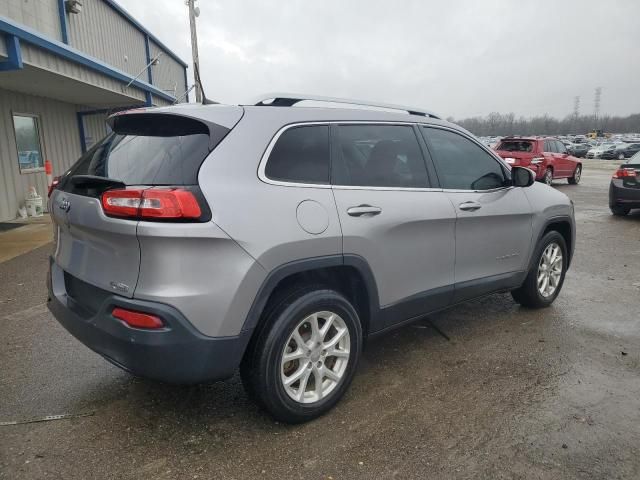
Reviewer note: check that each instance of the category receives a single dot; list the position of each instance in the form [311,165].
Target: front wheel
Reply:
[305,356]
[621,156]
[577,174]
[548,176]
[546,275]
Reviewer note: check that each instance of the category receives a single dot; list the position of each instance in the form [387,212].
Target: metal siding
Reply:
[168,73]
[40,58]
[159,102]
[59,138]
[95,128]
[103,33]
[42,15]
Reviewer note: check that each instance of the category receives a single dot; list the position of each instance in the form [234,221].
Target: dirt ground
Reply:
[547,394]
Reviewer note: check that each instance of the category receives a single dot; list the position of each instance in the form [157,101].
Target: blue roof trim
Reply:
[147,52]
[127,16]
[64,29]
[65,51]
[186,84]
[14,54]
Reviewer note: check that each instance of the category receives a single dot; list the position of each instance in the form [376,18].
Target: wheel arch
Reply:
[350,275]
[564,226]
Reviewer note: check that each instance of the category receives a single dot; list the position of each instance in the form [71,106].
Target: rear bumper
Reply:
[621,195]
[175,354]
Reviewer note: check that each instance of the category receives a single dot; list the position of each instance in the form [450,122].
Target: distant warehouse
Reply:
[64,66]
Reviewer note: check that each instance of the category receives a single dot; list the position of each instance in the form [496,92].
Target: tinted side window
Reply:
[301,155]
[461,164]
[549,146]
[560,148]
[379,156]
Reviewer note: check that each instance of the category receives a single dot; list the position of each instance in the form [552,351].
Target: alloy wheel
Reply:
[548,177]
[550,270]
[577,174]
[315,357]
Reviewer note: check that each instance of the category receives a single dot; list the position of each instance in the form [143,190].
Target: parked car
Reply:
[579,149]
[197,239]
[624,189]
[547,157]
[598,150]
[623,151]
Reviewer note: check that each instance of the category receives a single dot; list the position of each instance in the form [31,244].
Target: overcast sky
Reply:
[458,58]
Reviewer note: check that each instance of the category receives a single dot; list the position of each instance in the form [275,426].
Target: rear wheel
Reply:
[577,174]
[305,356]
[621,156]
[619,211]
[548,176]
[546,275]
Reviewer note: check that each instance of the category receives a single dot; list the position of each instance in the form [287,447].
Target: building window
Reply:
[30,157]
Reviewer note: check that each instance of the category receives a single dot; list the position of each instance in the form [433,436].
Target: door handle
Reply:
[364,210]
[470,206]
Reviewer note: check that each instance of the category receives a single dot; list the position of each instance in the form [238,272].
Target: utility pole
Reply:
[193,13]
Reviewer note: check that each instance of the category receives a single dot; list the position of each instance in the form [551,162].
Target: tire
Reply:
[529,294]
[263,373]
[621,156]
[577,175]
[548,176]
[619,211]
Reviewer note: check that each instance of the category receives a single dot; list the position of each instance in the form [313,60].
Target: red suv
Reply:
[547,157]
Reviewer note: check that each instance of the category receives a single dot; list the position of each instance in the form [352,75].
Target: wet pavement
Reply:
[516,393]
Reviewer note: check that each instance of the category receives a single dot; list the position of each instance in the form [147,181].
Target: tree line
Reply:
[501,124]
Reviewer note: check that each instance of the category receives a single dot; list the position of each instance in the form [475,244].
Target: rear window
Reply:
[516,146]
[149,149]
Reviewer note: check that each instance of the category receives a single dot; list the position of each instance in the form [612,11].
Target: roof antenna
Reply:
[205,100]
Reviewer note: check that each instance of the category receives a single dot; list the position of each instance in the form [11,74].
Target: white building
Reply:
[64,65]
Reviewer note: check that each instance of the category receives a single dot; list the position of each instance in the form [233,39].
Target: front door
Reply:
[392,219]
[493,226]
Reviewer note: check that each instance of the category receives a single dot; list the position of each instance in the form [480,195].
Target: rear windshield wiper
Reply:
[92,181]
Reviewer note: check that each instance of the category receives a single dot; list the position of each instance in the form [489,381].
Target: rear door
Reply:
[391,217]
[494,219]
[145,150]
[549,154]
[565,164]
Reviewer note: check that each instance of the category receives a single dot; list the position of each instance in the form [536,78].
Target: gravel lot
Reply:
[515,393]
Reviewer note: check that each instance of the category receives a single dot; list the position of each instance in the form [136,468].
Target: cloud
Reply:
[459,59]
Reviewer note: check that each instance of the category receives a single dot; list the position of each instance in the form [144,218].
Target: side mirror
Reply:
[522,177]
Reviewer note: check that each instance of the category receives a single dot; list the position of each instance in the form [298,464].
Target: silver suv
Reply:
[276,238]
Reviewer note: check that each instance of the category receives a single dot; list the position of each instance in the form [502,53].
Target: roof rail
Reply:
[290,99]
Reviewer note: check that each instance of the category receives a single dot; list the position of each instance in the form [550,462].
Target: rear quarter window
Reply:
[300,155]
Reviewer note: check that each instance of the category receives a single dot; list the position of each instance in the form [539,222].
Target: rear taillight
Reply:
[151,203]
[54,184]
[625,173]
[137,319]
[537,160]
